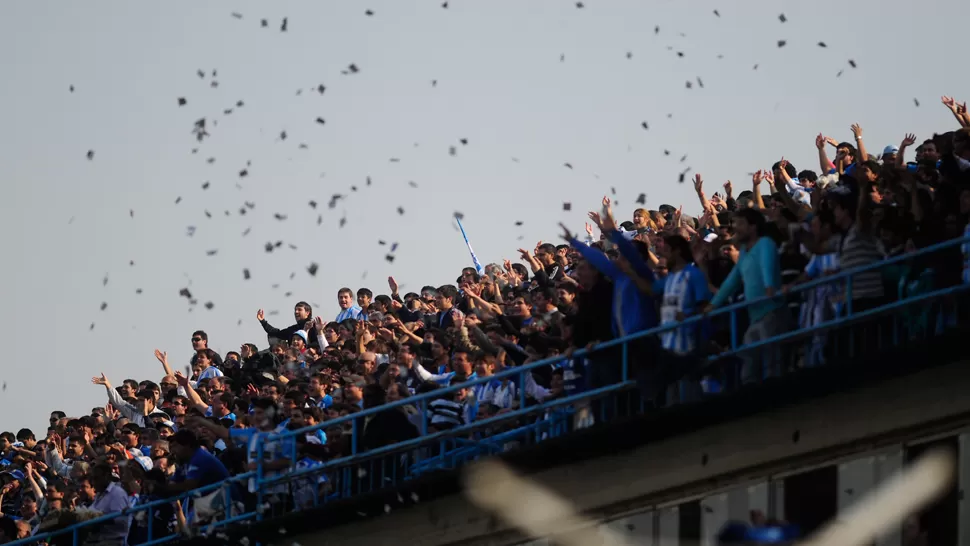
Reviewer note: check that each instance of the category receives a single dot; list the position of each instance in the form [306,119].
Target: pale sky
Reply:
[500,84]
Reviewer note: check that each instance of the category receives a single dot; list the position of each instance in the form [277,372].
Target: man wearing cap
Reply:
[889,155]
[12,491]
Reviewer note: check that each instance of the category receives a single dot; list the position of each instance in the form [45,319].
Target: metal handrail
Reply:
[696,319]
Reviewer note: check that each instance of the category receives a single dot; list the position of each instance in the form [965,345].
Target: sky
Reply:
[531,85]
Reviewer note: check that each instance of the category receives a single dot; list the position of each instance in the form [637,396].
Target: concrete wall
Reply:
[701,463]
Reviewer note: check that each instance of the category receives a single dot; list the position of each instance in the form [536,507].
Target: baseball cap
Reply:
[302,334]
[890,150]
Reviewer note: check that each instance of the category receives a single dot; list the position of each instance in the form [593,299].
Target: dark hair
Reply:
[679,245]
[448,291]
[852,151]
[8,436]
[373,395]
[548,248]
[753,217]
[25,434]
[306,307]
[567,286]
[365,292]
[808,175]
[789,169]
[521,271]
[202,334]
[209,353]
[185,437]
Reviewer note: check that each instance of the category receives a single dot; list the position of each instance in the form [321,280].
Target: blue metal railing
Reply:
[449,448]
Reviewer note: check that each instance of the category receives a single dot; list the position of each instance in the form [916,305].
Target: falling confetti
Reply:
[782,18]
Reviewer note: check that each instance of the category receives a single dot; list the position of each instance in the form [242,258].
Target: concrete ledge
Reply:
[827,428]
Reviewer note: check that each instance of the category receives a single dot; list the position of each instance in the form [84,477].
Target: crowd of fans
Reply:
[154,440]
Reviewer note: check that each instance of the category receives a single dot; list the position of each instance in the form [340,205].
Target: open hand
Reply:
[260,315]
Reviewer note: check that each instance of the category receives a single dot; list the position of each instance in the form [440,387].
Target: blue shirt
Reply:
[757,269]
[354,312]
[633,311]
[683,292]
[203,467]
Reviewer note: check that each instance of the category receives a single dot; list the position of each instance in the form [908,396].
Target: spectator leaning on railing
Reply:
[152,441]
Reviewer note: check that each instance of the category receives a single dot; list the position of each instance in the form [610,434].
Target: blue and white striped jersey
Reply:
[684,291]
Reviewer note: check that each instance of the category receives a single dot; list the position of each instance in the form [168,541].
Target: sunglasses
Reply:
[196,339]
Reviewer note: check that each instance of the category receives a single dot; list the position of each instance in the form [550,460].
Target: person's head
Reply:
[368,360]
[808,179]
[101,476]
[927,153]
[145,401]
[789,170]
[587,275]
[520,307]
[56,416]
[56,489]
[845,154]
[270,390]
[26,437]
[469,275]
[221,403]
[405,355]
[28,506]
[248,350]
[373,396]
[546,254]
[299,340]
[200,340]
[823,224]
[264,413]
[676,250]
[748,225]
[545,299]
[460,362]
[566,293]
[302,311]
[889,154]
[345,298]
[868,171]
[484,364]
[396,391]
[182,445]
[75,447]
[203,359]
[961,144]
[364,297]
[352,393]
[844,210]
[446,297]
[130,435]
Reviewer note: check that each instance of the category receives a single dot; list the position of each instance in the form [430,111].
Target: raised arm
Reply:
[908,141]
[954,108]
[759,203]
[163,359]
[190,392]
[823,158]
[862,156]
